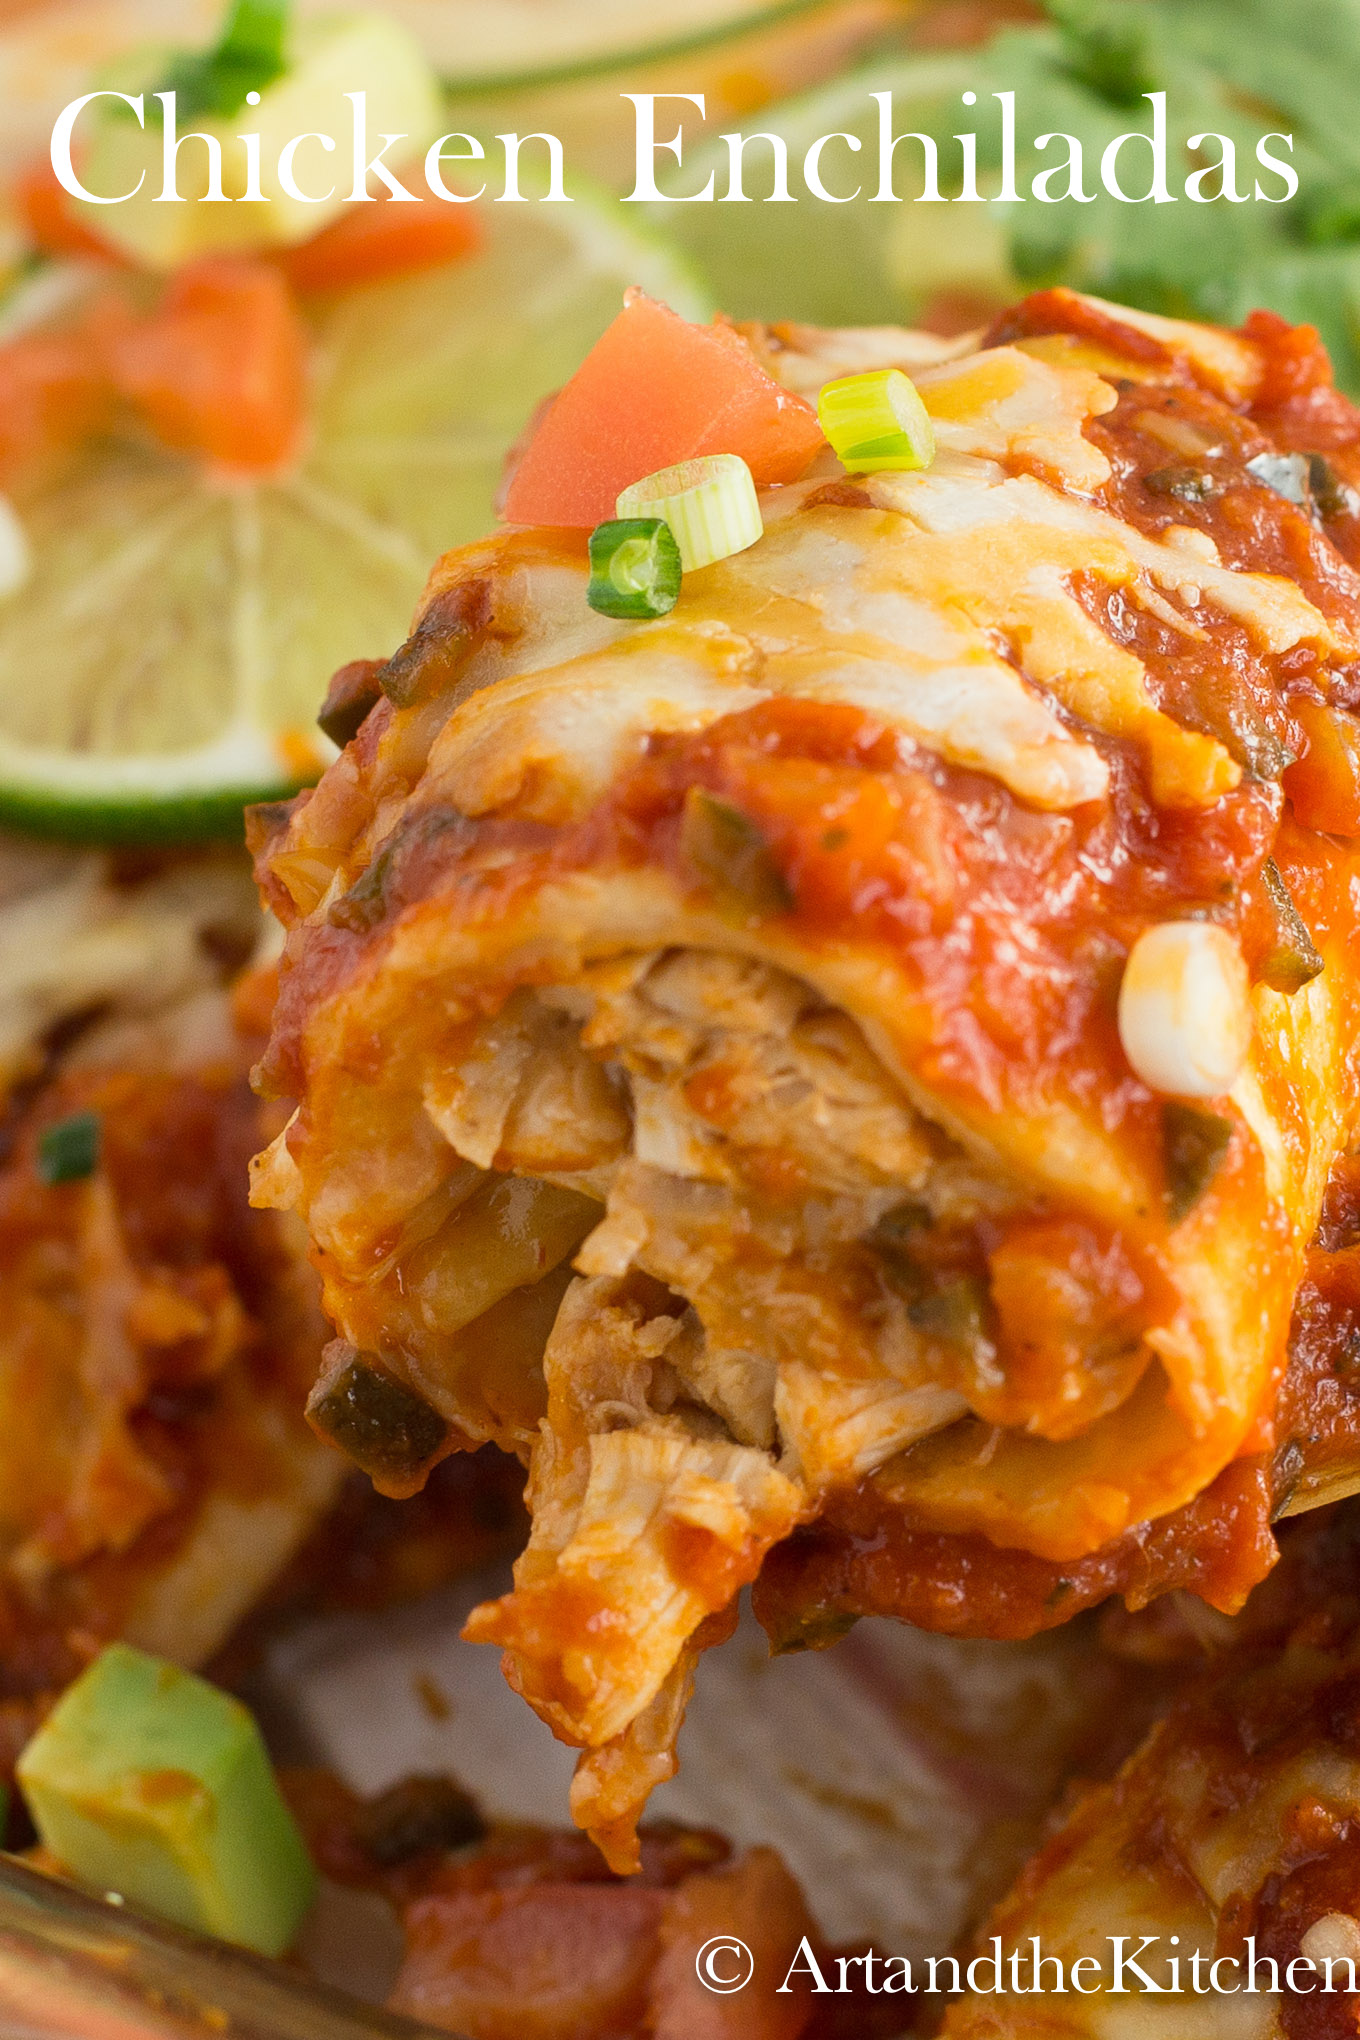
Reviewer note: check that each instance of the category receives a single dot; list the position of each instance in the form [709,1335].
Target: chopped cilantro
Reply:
[1106,47]
[247,57]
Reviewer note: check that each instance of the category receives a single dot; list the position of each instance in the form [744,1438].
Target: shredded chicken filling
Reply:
[747,1145]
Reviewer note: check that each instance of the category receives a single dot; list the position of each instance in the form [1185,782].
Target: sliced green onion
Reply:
[70,1149]
[709,504]
[634,567]
[876,421]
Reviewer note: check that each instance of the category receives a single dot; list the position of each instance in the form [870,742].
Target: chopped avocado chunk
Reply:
[147,1781]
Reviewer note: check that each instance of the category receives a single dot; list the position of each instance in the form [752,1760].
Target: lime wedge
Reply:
[166,657]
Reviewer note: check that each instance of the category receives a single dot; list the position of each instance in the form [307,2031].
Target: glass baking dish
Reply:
[76,1967]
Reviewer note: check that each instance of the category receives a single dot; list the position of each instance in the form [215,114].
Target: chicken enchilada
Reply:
[848,1066]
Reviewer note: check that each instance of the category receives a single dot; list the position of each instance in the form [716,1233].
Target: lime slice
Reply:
[165,660]
[48,54]
[488,44]
[858,263]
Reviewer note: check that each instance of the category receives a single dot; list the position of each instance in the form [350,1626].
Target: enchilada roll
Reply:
[866,1047]
[1222,1861]
[157,1337]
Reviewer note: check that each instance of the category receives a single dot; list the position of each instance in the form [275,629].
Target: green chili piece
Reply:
[728,851]
[1194,1144]
[377,889]
[1332,496]
[809,1629]
[1293,960]
[1185,484]
[383,1426]
[415,1816]
[956,1310]
[70,1149]
[634,568]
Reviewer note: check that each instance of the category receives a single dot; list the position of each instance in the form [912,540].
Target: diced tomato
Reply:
[652,391]
[1324,785]
[389,237]
[220,367]
[50,217]
[759,1903]
[546,1962]
[1295,361]
[54,393]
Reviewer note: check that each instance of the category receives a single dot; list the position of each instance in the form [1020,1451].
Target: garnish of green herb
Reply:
[728,851]
[1107,54]
[876,422]
[710,504]
[247,57]
[1194,1144]
[69,1150]
[634,568]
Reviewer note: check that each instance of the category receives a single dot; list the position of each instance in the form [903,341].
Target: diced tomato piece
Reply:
[389,237]
[54,393]
[47,211]
[652,391]
[545,1962]
[759,1903]
[1324,785]
[220,367]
